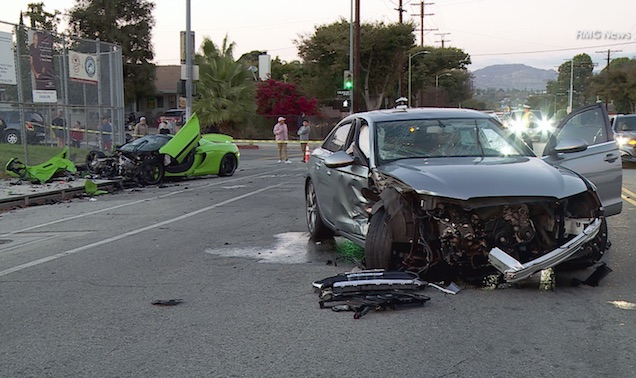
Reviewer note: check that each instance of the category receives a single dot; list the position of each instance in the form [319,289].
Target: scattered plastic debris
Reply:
[167,302]
[365,290]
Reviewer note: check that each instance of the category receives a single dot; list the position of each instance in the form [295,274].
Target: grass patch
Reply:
[350,250]
[36,155]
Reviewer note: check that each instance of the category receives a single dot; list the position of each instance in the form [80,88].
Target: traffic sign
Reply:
[343,92]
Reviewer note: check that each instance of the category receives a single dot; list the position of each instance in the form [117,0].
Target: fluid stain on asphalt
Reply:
[289,248]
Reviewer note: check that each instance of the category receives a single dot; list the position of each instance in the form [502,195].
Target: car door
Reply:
[349,204]
[599,162]
[184,141]
[326,191]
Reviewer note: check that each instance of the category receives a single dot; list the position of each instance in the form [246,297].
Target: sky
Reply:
[539,33]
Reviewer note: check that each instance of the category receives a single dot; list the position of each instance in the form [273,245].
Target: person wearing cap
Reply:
[281,135]
[303,136]
[141,128]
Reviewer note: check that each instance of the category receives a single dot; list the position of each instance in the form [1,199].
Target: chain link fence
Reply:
[58,91]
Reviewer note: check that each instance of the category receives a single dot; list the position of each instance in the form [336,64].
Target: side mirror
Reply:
[339,159]
[570,145]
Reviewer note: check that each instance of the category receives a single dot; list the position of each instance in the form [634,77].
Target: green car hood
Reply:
[185,141]
[42,172]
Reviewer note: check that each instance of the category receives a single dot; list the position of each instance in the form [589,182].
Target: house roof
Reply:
[166,78]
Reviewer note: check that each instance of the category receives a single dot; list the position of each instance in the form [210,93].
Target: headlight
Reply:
[545,126]
[621,141]
[518,126]
[167,160]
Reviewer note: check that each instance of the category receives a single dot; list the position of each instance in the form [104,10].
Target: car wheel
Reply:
[92,162]
[378,248]
[228,165]
[12,137]
[317,228]
[151,172]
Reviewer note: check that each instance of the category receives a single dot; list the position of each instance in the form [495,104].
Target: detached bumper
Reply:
[514,270]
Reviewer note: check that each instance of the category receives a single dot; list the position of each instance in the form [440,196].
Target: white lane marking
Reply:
[130,233]
[260,175]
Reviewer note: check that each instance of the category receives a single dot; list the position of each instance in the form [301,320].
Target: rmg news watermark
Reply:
[607,35]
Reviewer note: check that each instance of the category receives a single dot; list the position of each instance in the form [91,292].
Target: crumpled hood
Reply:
[469,177]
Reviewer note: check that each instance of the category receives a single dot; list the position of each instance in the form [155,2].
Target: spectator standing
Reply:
[106,133]
[77,135]
[141,128]
[303,135]
[58,128]
[163,127]
[281,135]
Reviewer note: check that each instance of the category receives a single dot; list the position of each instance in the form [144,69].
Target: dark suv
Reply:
[34,127]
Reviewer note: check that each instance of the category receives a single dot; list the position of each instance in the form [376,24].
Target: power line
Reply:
[442,40]
[555,50]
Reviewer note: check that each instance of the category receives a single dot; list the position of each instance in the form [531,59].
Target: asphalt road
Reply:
[77,280]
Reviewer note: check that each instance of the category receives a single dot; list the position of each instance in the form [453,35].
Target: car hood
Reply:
[469,177]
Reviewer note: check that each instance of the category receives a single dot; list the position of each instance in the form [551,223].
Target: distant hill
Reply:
[512,76]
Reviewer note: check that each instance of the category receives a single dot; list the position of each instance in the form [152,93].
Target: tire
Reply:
[151,172]
[11,137]
[317,228]
[227,167]
[378,248]
[91,161]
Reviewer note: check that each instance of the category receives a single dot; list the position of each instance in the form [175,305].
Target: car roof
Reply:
[420,113]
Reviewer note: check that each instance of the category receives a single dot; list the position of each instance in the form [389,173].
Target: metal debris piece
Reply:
[167,302]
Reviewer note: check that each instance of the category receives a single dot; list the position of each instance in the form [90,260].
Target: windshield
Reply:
[439,138]
[148,143]
[626,123]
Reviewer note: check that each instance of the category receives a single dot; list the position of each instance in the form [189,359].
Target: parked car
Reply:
[34,127]
[624,127]
[176,116]
[151,158]
[453,192]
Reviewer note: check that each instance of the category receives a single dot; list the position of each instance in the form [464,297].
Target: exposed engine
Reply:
[461,235]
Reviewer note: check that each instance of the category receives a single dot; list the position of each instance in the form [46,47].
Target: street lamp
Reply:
[437,85]
[438,76]
[411,56]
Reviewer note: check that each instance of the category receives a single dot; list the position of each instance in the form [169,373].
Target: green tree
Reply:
[440,76]
[617,84]
[325,56]
[579,71]
[41,19]
[226,89]
[128,23]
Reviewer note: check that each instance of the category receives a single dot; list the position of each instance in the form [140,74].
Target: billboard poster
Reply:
[83,67]
[7,61]
[42,68]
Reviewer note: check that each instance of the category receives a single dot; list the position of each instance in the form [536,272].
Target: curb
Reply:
[247,147]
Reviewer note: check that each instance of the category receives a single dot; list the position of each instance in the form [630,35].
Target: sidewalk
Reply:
[16,194]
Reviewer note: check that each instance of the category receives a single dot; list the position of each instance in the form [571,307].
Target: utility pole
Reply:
[609,52]
[357,87]
[421,15]
[442,40]
[400,10]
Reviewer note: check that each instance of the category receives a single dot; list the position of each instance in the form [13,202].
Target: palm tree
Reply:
[226,90]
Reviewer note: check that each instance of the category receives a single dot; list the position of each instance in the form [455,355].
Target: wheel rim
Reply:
[227,165]
[12,138]
[312,209]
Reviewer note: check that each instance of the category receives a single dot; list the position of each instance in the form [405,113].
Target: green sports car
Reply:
[151,158]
